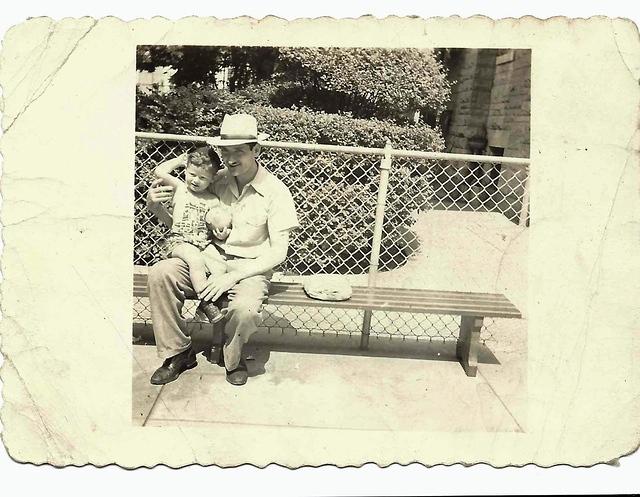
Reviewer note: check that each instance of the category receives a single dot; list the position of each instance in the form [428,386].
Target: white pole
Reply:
[385,166]
[524,208]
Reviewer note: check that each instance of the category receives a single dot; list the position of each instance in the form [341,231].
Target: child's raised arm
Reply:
[165,169]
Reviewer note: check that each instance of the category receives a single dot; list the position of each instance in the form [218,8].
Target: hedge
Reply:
[194,110]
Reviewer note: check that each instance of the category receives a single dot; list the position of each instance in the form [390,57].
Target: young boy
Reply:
[194,209]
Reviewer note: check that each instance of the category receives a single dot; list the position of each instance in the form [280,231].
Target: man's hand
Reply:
[158,193]
[217,285]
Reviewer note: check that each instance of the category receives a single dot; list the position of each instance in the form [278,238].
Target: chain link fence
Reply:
[335,190]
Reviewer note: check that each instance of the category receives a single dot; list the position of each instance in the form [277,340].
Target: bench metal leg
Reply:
[469,343]
[366,327]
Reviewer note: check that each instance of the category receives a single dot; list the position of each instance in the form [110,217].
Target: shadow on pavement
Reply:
[258,350]
[332,344]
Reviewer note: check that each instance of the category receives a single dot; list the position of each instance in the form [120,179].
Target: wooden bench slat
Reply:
[410,291]
[364,298]
[417,295]
[369,300]
[434,308]
[379,293]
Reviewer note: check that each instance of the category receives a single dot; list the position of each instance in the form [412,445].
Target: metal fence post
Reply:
[524,208]
[385,167]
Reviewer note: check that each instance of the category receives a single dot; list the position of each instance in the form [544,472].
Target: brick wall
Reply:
[510,107]
[473,71]
[492,99]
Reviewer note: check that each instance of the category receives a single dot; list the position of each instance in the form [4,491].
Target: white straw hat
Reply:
[237,129]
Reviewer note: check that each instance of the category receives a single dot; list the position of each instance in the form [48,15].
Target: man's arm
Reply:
[282,218]
[156,196]
[276,254]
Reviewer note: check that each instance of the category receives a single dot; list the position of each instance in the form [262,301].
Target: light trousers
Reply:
[170,285]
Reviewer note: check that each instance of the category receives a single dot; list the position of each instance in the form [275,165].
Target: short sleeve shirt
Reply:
[189,212]
[263,208]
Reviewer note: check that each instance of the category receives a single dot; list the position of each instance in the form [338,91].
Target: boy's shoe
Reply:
[212,311]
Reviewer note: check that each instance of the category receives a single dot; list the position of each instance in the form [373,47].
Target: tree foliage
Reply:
[388,84]
[201,64]
[368,82]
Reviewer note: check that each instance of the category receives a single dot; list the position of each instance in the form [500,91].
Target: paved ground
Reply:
[307,380]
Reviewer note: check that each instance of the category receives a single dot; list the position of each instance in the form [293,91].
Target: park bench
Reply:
[472,307]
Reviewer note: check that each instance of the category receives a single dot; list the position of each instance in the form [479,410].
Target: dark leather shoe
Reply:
[173,367]
[238,376]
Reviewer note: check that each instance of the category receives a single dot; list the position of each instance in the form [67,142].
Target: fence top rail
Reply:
[415,154]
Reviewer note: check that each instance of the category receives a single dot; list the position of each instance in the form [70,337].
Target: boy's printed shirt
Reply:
[189,211]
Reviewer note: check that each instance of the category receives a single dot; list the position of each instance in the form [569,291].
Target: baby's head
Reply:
[202,166]
[219,218]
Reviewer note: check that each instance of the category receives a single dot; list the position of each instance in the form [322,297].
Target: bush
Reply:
[335,194]
[370,82]
[194,110]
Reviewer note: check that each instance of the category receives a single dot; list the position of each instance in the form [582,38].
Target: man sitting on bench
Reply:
[263,214]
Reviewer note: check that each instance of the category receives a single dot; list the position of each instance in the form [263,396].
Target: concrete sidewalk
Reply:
[326,382]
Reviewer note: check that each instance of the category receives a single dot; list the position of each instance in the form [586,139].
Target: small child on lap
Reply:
[195,208]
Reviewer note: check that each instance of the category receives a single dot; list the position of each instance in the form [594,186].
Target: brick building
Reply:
[489,114]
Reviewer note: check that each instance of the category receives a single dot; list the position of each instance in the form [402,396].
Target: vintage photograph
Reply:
[341,232]
[348,243]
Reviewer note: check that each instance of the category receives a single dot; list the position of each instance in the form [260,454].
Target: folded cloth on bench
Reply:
[327,287]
